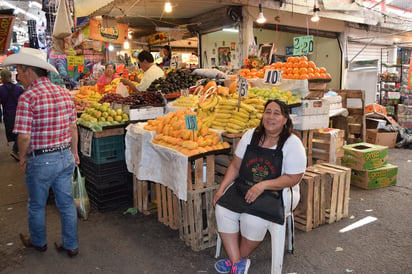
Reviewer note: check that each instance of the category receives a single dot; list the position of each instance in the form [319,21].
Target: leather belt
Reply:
[48,150]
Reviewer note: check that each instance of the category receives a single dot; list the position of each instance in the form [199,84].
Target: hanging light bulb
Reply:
[261,18]
[111,48]
[168,7]
[126,44]
[315,16]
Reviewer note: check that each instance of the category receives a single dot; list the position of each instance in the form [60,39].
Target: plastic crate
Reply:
[112,205]
[104,192]
[87,165]
[108,149]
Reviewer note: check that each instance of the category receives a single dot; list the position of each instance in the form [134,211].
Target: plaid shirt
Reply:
[45,111]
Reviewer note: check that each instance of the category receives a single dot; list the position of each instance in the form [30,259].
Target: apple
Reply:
[118,118]
[103,108]
[97,114]
[93,119]
[102,119]
[113,113]
[105,114]
[106,104]
[110,119]
[119,111]
[125,116]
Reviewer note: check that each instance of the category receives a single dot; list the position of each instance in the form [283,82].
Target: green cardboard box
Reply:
[375,178]
[364,156]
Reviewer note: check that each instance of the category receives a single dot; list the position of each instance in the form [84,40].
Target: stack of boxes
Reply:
[369,164]
[108,183]
[312,114]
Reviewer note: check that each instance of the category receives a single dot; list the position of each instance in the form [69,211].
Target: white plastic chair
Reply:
[277,232]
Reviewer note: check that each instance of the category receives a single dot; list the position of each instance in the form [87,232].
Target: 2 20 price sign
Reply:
[303,45]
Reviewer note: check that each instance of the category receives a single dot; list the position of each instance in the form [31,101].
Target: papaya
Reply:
[210,84]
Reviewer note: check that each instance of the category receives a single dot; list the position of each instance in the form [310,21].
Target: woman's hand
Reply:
[217,196]
[254,192]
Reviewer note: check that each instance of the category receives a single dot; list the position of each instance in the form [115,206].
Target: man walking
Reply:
[47,140]
[9,96]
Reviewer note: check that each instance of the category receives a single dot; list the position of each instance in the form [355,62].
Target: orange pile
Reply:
[300,68]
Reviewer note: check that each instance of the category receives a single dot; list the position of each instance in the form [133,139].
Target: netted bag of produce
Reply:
[81,199]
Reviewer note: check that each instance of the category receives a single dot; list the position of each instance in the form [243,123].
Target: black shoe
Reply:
[70,252]
[27,243]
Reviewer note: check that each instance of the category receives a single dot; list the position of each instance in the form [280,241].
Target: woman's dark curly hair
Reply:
[260,134]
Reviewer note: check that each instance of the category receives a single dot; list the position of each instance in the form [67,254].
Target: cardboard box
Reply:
[144,113]
[375,178]
[375,123]
[375,108]
[383,138]
[311,122]
[364,156]
[312,107]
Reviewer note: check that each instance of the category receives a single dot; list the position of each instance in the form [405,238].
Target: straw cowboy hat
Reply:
[30,57]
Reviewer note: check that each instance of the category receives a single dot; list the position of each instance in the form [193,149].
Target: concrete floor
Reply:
[116,243]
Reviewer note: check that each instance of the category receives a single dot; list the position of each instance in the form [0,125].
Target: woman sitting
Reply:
[268,159]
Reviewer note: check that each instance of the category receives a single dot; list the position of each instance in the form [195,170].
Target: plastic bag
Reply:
[122,90]
[81,199]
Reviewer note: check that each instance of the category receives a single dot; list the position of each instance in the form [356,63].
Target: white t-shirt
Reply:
[294,155]
[153,73]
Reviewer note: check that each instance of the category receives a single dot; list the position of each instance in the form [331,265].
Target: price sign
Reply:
[242,86]
[303,45]
[191,122]
[273,76]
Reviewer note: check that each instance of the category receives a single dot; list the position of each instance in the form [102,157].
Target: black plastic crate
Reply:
[111,206]
[108,194]
[88,166]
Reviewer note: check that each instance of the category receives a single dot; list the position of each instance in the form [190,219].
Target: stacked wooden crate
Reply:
[324,197]
[222,161]
[355,124]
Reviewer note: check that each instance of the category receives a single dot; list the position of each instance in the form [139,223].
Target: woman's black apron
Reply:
[258,164]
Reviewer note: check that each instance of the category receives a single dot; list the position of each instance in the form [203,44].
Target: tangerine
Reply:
[323,75]
[311,70]
[316,75]
[303,70]
[311,75]
[304,76]
[322,70]
[317,70]
[295,71]
[303,58]
[311,64]
[303,64]
[328,76]
[290,58]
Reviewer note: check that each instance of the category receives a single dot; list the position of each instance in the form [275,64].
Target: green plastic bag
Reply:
[81,199]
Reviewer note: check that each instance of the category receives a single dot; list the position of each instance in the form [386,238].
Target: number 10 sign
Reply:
[273,76]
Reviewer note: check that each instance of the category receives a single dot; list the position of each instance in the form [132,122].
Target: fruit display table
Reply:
[184,186]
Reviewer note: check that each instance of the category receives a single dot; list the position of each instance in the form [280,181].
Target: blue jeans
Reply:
[53,170]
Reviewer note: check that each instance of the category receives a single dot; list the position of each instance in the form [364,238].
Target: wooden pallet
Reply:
[167,206]
[197,227]
[198,170]
[222,161]
[143,196]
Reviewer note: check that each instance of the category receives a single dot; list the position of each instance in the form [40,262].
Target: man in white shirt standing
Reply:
[151,72]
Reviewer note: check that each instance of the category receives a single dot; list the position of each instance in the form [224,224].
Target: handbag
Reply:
[81,199]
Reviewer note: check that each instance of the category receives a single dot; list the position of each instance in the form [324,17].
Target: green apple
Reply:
[106,104]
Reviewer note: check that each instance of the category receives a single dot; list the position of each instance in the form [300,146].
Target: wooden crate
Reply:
[167,206]
[197,227]
[201,172]
[337,189]
[327,146]
[355,124]
[144,196]
[306,136]
[308,213]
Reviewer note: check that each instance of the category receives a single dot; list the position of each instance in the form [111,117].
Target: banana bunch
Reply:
[211,103]
[186,101]
[94,97]
[223,112]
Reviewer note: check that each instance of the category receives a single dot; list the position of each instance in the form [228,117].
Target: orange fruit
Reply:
[296,65]
[285,76]
[303,58]
[328,76]
[303,70]
[289,64]
[317,70]
[290,58]
[295,71]
[322,70]
[311,70]
[295,76]
[304,76]
[316,75]
[303,64]
[323,75]
[311,75]
[311,64]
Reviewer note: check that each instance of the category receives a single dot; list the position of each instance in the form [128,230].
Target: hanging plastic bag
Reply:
[81,199]
[122,90]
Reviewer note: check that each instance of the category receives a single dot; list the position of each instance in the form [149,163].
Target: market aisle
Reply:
[117,243]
